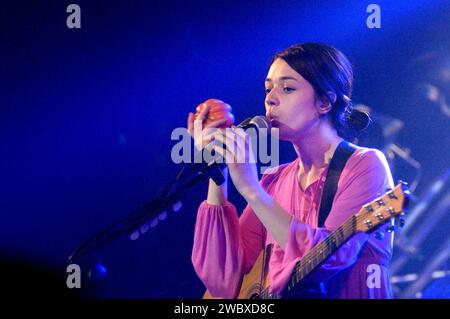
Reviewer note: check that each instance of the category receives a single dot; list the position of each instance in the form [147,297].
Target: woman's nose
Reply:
[271,99]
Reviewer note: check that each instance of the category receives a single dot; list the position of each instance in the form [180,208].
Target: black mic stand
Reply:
[167,199]
[138,221]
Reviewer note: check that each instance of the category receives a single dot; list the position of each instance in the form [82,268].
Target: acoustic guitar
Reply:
[255,284]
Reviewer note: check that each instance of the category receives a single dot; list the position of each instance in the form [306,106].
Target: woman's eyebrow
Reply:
[283,78]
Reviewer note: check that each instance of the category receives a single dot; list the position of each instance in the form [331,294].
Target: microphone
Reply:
[149,214]
[258,122]
[253,126]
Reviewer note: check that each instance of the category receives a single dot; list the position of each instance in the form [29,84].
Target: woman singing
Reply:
[308,89]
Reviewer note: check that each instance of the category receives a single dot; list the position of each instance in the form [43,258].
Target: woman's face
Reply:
[290,102]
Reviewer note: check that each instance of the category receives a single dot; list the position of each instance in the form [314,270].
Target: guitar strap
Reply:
[337,164]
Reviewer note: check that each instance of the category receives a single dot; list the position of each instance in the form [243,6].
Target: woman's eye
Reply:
[287,89]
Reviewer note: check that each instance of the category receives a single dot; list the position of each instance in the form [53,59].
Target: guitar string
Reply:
[266,294]
[346,226]
[349,224]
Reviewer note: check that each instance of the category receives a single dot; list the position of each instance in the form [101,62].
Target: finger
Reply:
[216,123]
[204,113]
[219,150]
[199,132]
[218,139]
[223,152]
[240,132]
[229,142]
[241,150]
[190,123]
[209,134]
[213,131]
[244,151]
[248,142]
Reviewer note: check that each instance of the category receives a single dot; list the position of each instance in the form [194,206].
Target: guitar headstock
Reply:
[392,204]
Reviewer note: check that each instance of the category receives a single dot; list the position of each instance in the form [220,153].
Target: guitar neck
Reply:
[370,216]
[317,255]
[379,211]
[322,251]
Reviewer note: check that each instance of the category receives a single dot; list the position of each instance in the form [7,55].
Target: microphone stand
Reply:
[161,203]
[169,197]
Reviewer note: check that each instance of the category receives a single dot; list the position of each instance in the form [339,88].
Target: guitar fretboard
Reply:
[318,254]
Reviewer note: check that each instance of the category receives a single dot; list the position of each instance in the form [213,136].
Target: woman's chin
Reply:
[282,136]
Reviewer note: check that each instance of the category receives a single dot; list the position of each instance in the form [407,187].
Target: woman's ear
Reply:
[326,102]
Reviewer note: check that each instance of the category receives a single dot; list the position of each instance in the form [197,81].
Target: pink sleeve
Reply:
[225,247]
[365,176]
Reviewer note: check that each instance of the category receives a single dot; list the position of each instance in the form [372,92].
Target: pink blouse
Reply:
[226,247]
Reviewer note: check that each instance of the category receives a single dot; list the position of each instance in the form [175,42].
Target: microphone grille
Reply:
[261,122]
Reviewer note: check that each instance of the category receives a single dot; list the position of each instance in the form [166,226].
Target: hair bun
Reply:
[359,120]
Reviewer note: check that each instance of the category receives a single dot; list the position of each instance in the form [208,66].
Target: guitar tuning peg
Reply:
[177,206]
[379,234]
[390,228]
[401,221]
[134,235]
[402,182]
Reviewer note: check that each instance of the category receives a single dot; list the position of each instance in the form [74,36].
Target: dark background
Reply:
[87,114]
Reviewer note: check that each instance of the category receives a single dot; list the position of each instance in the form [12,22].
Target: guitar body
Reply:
[255,281]
[255,284]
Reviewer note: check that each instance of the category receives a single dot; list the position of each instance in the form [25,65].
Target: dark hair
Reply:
[328,71]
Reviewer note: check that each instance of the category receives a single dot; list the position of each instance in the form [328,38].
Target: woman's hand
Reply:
[238,154]
[201,133]
[217,195]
